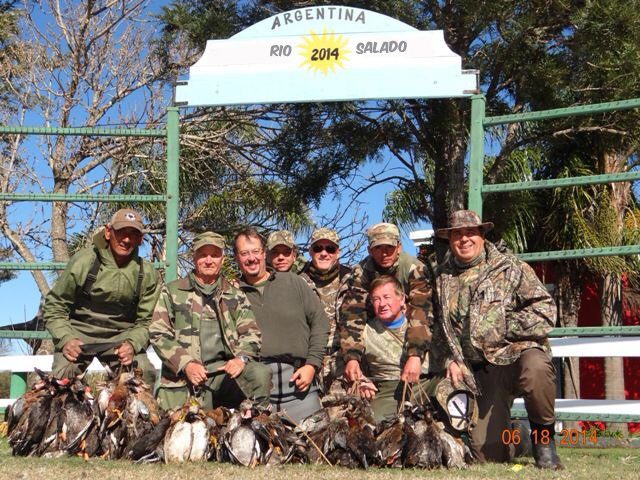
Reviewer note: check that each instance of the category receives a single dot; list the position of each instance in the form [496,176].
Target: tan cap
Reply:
[383,234]
[208,238]
[280,237]
[126,217]
[325,234]
[463,219]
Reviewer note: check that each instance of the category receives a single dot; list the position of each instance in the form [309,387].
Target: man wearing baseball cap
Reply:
[101,304]
[386,258]
[206,335]
[330,280]
[491,335]
[282,252]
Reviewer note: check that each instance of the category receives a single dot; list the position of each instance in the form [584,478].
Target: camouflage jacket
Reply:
[175,328]
[356,308]
[109,313]
[510,311]
[332,300]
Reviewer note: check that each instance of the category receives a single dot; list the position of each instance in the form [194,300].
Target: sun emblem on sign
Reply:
[324,52]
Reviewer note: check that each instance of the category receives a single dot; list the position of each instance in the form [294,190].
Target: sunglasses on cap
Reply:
[328,248]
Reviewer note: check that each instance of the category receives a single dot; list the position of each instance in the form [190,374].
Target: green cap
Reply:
[280,237]
[208,238]
[383,234]
[325,234]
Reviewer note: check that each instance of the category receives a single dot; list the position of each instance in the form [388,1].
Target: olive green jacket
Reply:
[110,313]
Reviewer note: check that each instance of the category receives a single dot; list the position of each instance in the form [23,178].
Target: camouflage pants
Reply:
[63,368]
[221,390]
[531,377]
[389,397]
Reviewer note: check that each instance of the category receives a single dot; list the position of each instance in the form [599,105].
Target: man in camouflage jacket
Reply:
[282,252]
[101,304]
[329,279]
[386,258]
[206,335]
[491,335]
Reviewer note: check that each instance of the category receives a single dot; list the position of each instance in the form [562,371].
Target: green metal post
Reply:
[173,192]
[18,384]
[476,156]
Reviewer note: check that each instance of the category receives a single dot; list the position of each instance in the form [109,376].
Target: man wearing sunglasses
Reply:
[329,279]
[386,258]
[282,252]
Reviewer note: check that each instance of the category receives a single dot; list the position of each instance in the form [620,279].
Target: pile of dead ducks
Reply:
[123,421]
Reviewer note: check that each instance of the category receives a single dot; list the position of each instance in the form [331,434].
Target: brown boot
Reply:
[544,452]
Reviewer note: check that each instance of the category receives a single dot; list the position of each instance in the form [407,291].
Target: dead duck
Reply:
[240,443]
[149,448]
[72,426]
[390,442]
[187,437]
[342,435]
[29,416]
[423,444]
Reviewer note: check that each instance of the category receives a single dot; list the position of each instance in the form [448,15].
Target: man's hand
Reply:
[352,371]
[124,351]
[454,372]
[195,372]
[411,370]
[233,367]
[72,349]
[303,377]
[367,389]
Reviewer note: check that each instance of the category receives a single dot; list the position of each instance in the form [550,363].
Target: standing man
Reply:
[101,305]
[386,258]
[206,335]
[491,334]
[293,324]
[329,280]
[282,252]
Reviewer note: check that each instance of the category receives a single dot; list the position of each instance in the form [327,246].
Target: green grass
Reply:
[584,463]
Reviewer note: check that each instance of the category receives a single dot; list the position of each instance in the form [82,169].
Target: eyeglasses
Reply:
[330,249]
[245,253]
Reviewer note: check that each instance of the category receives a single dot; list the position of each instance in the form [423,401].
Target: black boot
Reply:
[544,447]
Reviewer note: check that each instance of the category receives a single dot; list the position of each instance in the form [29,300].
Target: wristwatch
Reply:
[244,358]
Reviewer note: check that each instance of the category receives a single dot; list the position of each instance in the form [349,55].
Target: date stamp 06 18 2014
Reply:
[568,437]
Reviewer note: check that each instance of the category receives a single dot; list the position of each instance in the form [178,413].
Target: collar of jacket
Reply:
[185,283]
[495,259]
[370,265]
[272,277]
[107,258]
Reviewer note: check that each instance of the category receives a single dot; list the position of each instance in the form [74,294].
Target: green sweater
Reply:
[110,315]
[291,318]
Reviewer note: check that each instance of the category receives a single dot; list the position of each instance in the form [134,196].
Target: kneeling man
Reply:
[384,337]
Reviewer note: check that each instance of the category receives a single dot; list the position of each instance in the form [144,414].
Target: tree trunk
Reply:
[568,296]
[611,314]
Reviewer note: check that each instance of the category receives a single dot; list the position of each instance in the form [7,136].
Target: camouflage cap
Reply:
[126,217]
[456,405]
[463,219]
[208,238]
[325,234]
[383,234]
[280,237]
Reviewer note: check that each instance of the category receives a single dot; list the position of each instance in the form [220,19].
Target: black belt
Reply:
[295,362]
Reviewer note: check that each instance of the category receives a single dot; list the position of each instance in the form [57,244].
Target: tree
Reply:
[78,75]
